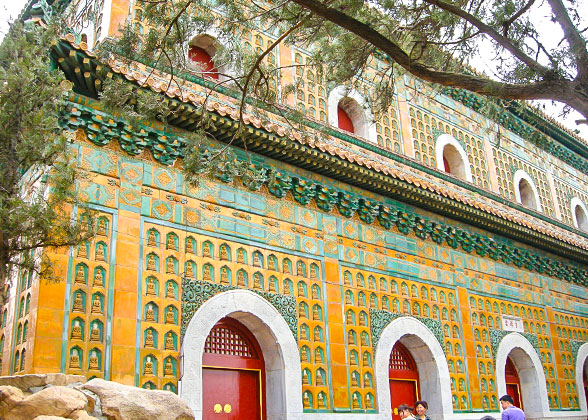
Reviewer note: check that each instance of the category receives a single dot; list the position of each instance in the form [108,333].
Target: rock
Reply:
[9,397]
[57,401]
[82,415]
[49,418]
[123,402]
[26,382]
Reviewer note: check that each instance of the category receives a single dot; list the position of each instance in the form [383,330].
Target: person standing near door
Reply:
[421,407]
[510,412]
[405,412]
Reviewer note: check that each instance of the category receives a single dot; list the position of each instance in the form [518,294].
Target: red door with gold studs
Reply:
[404,379]
[233,376]
[513,383]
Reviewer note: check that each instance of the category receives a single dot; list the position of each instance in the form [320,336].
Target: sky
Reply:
[10,9]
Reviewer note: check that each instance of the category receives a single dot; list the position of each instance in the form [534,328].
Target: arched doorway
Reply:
[404,379]
[233,374]
[513,383]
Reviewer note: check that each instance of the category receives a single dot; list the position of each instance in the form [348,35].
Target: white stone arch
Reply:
[362,117]
[461,164]
[531,199]
[581,224]
[581,366]
[530,371]
[279,348]
[431,362]
[211,41]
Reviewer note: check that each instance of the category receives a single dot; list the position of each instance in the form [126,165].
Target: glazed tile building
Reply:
[430,253]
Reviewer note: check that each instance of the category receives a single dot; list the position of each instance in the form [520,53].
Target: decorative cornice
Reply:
[380,319]
[496,337]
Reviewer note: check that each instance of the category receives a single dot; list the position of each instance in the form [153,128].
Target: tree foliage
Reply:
[38,170]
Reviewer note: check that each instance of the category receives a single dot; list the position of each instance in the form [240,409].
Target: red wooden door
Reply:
[404,379]
[233,376]
[513,383]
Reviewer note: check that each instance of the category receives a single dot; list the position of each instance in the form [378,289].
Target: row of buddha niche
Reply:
[366,358]
[78,330]
[79,302]
[171,264]
[321,400]
[305,333]
[81,275]
[368,381]
[76,359]
[352,338]
[356,401]
[167,387]
[152,288]
[150,363]
[319,355]
[350,318]
[319,377]
[100,251]
[317,311]
[151,338]
[152,313]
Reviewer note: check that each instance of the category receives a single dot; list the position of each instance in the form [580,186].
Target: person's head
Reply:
[487,418]
[421,407]
[506,401]
[404,411]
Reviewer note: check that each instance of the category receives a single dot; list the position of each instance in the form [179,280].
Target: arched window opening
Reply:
[201,52]
[349,111]
[345,122]
[580,215]
[526,191]
[451,157]
[453,162]
[527,196]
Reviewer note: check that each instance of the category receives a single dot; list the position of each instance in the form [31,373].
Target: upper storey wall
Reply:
[430,129]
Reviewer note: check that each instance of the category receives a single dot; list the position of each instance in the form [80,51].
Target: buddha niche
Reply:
[306,401]
[301,312]
[224,255]
[207,275]
[189,270]
[364,340]
[224,276]
[241,256]
[168,369]
[366,360]
[354,382]
[315,293]
[366,381]
[80,275]
[78,304]
[304,356]
[95,333]
[317,335]
[170,267]
[74,360]
[271,264]
[206,250]
[315,314]
[368,403]
[169,342]
[148,367]
[76,331]
[169,316]
[152,239]
[287,289]
[304,378]
[100,253]
[256,281]
[353,359]
[348,299]
[101,227]
[318,356]
[151,262]
[272,286]
[286,267]
[300,289]
[96,305]
[149,314]
[93,365]
[321,401]
[299,270]
[355,402]
[256,260]
[313,272]
[150,287]
[189,247]
[171,243]
[170,292]
[82,251]
[362,321]
[351,338]
[149,339]
[349,318]
[319,380]
[98,279]
[240,279]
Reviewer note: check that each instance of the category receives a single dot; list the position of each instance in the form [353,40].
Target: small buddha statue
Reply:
[240,278]
[315,313]
[224,255]
[98,279]
[347,279]
[241,256]
[372,302]
[100,253]
[170,267]
[170,291]
[168,369]
[286,267]
[306,400]
[189,270]
[362,320]
[78,304]
[257,281]
[189,246]
[95,333]
[287,288]
[96,305]
[82,251]
[256,260]
[80,275]
[315,295]
[304,377]
[304,356]
[148,367]
[364,340]
[169,316]
[348,299]
[151,239]
[207,274]
[351,338]
[224,276]
[101,227]
[369,404]
[84,224]
[318,356]
[365,359]
[321,400]
[354,382]
[272,286]
[76,331]
[93,363]
[353,359]
[317,335]
[366,381]
[171,243]
[313,272]
[206,250]
[74,360]
[301,289]
[169,342]
[271,264]
[151,262]
[299,269]
[349,318]
[149,339]
[301,312]
[355,403]
[150,287]
[319,380]
[149,314]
